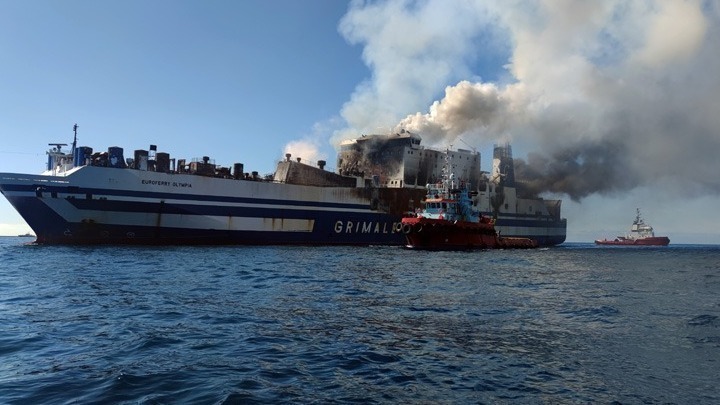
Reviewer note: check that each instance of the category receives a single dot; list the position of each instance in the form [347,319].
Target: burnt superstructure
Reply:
[399,161]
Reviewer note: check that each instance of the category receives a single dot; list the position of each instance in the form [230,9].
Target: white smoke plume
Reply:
[610,95]
[307,150]
[414,49]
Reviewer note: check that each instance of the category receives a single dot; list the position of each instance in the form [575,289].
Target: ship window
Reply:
[506,206]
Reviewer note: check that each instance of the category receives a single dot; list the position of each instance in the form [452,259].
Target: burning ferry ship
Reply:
[87,197]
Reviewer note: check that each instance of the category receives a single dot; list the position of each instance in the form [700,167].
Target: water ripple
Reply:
[370,325]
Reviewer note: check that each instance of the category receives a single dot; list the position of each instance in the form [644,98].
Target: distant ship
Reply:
[101,197]
[641,234]
[26,235]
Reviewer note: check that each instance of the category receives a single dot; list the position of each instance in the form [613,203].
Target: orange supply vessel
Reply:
[641,234]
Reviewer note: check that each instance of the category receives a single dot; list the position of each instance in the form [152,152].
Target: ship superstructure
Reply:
[399,161]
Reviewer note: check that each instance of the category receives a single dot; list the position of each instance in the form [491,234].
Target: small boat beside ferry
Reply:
[641,234]
[450,221]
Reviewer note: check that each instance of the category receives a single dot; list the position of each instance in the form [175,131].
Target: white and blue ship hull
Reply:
[92,205]
[104,205]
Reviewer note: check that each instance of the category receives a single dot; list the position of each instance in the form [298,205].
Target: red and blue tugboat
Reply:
[450,221]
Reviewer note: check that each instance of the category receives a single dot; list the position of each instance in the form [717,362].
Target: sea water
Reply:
[570,324]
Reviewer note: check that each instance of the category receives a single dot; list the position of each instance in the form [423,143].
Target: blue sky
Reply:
[235,80]
[244,81]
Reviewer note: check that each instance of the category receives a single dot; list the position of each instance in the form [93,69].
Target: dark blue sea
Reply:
[224,325]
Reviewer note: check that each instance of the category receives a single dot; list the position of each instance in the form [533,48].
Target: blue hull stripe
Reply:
[209,210]
[81,192]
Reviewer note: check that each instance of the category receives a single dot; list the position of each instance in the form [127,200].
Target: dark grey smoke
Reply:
[578,171]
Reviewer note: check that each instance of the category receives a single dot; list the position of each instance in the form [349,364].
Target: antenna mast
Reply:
[468,145]
[75,127]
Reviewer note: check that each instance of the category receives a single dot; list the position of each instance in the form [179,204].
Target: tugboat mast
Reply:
[75,127]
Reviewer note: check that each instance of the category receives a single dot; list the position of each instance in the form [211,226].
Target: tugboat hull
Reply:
[437,234]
